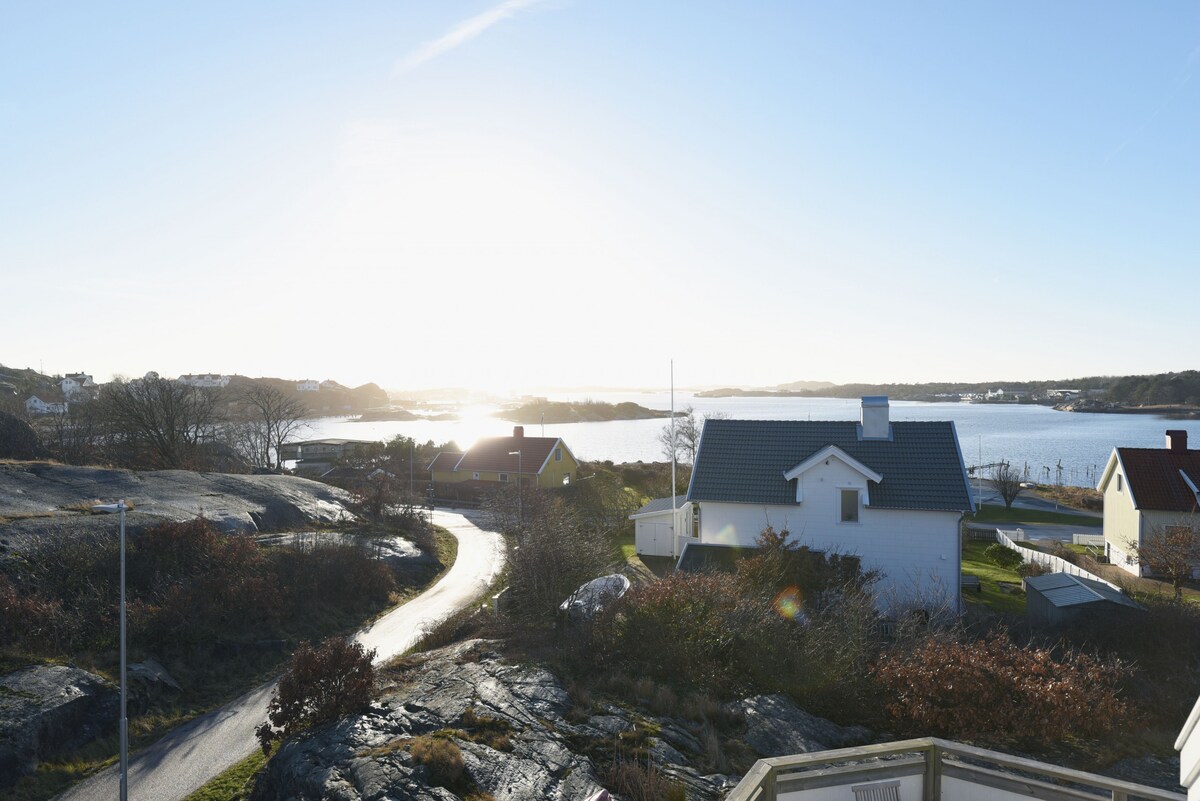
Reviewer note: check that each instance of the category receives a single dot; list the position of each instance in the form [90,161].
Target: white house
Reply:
[892,493]
[308,386]
[1148,490]
[205,380]
[77,386]
[36,405]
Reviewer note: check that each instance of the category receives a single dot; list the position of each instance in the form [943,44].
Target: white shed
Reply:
[654,529]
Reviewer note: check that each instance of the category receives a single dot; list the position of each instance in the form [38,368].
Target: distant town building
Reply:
[322,450]
[46,404]
[329,385]
[308,386]
[77,386]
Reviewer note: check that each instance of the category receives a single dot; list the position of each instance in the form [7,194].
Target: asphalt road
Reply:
[191,755]
[1025,500]
[1041,531]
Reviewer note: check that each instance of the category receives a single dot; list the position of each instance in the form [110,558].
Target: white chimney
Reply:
[875,423]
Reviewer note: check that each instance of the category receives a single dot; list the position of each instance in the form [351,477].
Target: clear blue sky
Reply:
[526,194]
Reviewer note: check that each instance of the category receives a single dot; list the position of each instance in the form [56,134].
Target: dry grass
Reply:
[1084,498]
[641,781]
[442,758]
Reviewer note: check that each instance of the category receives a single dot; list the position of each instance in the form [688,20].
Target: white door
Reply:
[654,538]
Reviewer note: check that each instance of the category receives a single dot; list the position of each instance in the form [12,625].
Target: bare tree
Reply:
[1007,481]
[683,439]
[1170,551]
[273,417]
[161,419]
[73,436]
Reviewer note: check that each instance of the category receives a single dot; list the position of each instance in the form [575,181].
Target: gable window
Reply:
[1119,482]
[504,477]
[849,506]
[558,454]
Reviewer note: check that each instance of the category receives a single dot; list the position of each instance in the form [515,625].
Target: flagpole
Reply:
[674,449]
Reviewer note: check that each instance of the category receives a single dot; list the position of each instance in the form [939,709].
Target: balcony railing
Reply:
[929,769]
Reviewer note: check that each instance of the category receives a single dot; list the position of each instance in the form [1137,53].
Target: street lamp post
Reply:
[520,499]
[120,507]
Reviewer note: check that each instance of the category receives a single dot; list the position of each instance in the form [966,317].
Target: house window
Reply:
[504,477]
[849,506]
[1119,482]
[475,476]
[558,454]
[566,479]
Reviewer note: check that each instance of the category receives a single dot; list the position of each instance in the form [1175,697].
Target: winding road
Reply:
[189,756]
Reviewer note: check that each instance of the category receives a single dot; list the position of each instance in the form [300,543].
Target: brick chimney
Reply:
[875,424]
[1176,440]
[518,432]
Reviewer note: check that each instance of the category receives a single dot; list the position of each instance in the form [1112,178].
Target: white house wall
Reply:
[917,551]
[1122,522]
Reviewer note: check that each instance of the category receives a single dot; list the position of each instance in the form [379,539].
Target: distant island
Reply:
[581,412]
[378,415]
[1168,394]
[400,415]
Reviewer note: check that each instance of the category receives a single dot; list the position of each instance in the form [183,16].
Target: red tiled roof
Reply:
[1155,478]
[492,454]
[445,461]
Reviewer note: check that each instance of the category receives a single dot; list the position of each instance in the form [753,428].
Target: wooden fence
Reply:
[1053,563]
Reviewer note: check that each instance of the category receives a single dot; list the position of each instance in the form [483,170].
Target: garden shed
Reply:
[654,528]
[1057,599]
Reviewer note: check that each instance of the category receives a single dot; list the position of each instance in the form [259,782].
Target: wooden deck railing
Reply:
[933,760]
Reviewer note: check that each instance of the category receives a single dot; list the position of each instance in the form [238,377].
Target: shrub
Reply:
[1002,556]
[814,576]
[323,682]
[555,554]
[1028,569]
[992,690]
[442,759]
[701,630]
[640,781]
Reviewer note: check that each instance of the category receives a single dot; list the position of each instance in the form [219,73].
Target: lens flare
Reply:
[790,604]
[727,535]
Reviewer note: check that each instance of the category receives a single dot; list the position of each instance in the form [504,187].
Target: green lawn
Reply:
[998,514]
[234,784]
[975,564]
[628,548]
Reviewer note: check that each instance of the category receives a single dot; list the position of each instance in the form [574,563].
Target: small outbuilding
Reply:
[654,526]
[1057,599]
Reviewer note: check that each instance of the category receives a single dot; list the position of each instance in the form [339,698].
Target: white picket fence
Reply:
[1088,539]
[1053,563]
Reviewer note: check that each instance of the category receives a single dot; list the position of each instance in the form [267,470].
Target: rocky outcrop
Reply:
[547,747]
[18,440]
[38,497]
[777,727]
[48,710]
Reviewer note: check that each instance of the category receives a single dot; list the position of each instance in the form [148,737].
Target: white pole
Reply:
[674,448]
[124,720]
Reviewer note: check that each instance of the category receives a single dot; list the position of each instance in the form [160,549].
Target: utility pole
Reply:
[120,507]
[520,499]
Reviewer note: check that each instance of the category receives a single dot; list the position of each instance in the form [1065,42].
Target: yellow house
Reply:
[540,461]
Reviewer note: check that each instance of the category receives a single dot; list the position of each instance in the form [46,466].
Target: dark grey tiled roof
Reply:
[743,461]
[661,505]
[1063,589]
